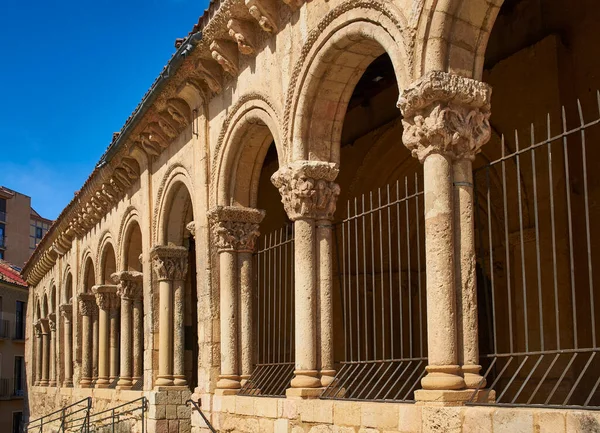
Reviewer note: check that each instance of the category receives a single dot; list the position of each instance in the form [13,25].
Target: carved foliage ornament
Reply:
[307,189]
[106,297]
[87,304]
[169,262]
[446,114]
[129,284]
[236,228]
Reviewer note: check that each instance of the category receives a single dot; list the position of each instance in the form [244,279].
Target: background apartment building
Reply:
[13,306]
[21,227]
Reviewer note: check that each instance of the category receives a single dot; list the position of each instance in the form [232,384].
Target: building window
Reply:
[19,376]
[39,234]
[20,320]
[3,209]
[17,421]
[37,231]
[2,236]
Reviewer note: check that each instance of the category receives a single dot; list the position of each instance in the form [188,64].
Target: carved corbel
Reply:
[149,146]
[179,111]
[131,167]
[167,127]
[226,55]
[265,12]
[121,175]
[242,32]
[209,72]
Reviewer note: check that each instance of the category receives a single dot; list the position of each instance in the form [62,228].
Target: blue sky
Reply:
[71,72]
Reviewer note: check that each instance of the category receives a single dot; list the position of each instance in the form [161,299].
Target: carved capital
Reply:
[66,311]
[242,33]
[225,53]
[191,227]
[446,114]
[308,189]
[265,13]
[37,327]
[169,262]
[87,304]
[129,284]
[106,296]
[44,325]
[236,228]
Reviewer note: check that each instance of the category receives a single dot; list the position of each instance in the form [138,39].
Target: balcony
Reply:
[11,388]
[4,329]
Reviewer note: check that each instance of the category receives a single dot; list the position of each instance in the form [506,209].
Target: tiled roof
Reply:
[10,274]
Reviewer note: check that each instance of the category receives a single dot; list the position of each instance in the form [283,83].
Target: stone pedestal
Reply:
[446,121]
[309,194]
[170,265]
[235,232]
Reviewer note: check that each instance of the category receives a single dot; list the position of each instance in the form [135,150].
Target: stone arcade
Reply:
[303,227]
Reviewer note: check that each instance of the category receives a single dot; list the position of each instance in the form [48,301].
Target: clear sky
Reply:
[71,73]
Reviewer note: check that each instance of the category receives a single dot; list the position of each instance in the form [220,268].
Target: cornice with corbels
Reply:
[229,28]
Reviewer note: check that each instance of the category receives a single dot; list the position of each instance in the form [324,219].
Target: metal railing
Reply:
[61,420]
[380,260]
[111,419]
[196,405]
[4,328]
[274,265]
[536,215]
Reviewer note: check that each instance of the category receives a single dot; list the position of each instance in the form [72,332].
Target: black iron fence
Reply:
[64,419]
[537,212]
[381,280]
[274,318]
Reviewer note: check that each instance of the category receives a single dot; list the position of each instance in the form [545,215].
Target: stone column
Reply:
[324,299]
[105,299]
[52,355]
[179,324]
[45,352]
[114,314]
[308,194]
[169,263]
[95,343]
[235,230]
[138,336]
[129,287]
[38,353]
[66,310]
[87,305]
[445,118]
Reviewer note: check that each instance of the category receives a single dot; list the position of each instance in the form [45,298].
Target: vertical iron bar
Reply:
[491,246]
[418,241]
[390,288]
[269,308]
[373,344]
[570,222]
[364,269]
[522,243]
[537,241]
[408,268]
[553,233]
[280,331]
[357,277]
[349,255]
[507,249]
[343,282]
[284,289]
[381,277]
[399,239]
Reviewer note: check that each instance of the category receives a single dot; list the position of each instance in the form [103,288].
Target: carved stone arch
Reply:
[238,161]
[38,308]
[333,59]
[106,247]
[175,178]
[88,271]
[45,309]
[455,35]
[130,220]
[66,281]
[52,297]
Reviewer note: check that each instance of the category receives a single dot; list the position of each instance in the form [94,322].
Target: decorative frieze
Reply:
[446,114]
[236,228]
[242,32]
[129,284]
[169,262]
[308,189]
[265,13]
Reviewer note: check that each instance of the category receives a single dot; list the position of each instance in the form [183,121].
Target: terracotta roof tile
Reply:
[10,274]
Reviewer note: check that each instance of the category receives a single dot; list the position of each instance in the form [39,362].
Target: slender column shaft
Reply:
[325,336]
[439,253]
[229,377]
[165,322]
[103,350]
[86,352]
[178,334]
[52,355]
[305,305]
[466,277]
[45,358]
[68,352]
[95,329]
[125,370]
[246,308]
[38,358]
[138,339]
[114,344]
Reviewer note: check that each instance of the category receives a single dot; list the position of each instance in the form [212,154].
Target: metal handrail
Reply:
[112,415]
[61,414]
[197,407]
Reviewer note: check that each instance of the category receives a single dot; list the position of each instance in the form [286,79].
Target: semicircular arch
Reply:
[173,204]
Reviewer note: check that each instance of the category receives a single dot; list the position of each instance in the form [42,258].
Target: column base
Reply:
[102,383]
[85,383]
[305,379]
[304,392]
[454,398]
[52,383]
[124,383]
[220,391]
[473,380]
[179,380]
[43,383]
[443,378]
[327,377]
[229,382]
[68,384]
[244,379]
[164,381]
